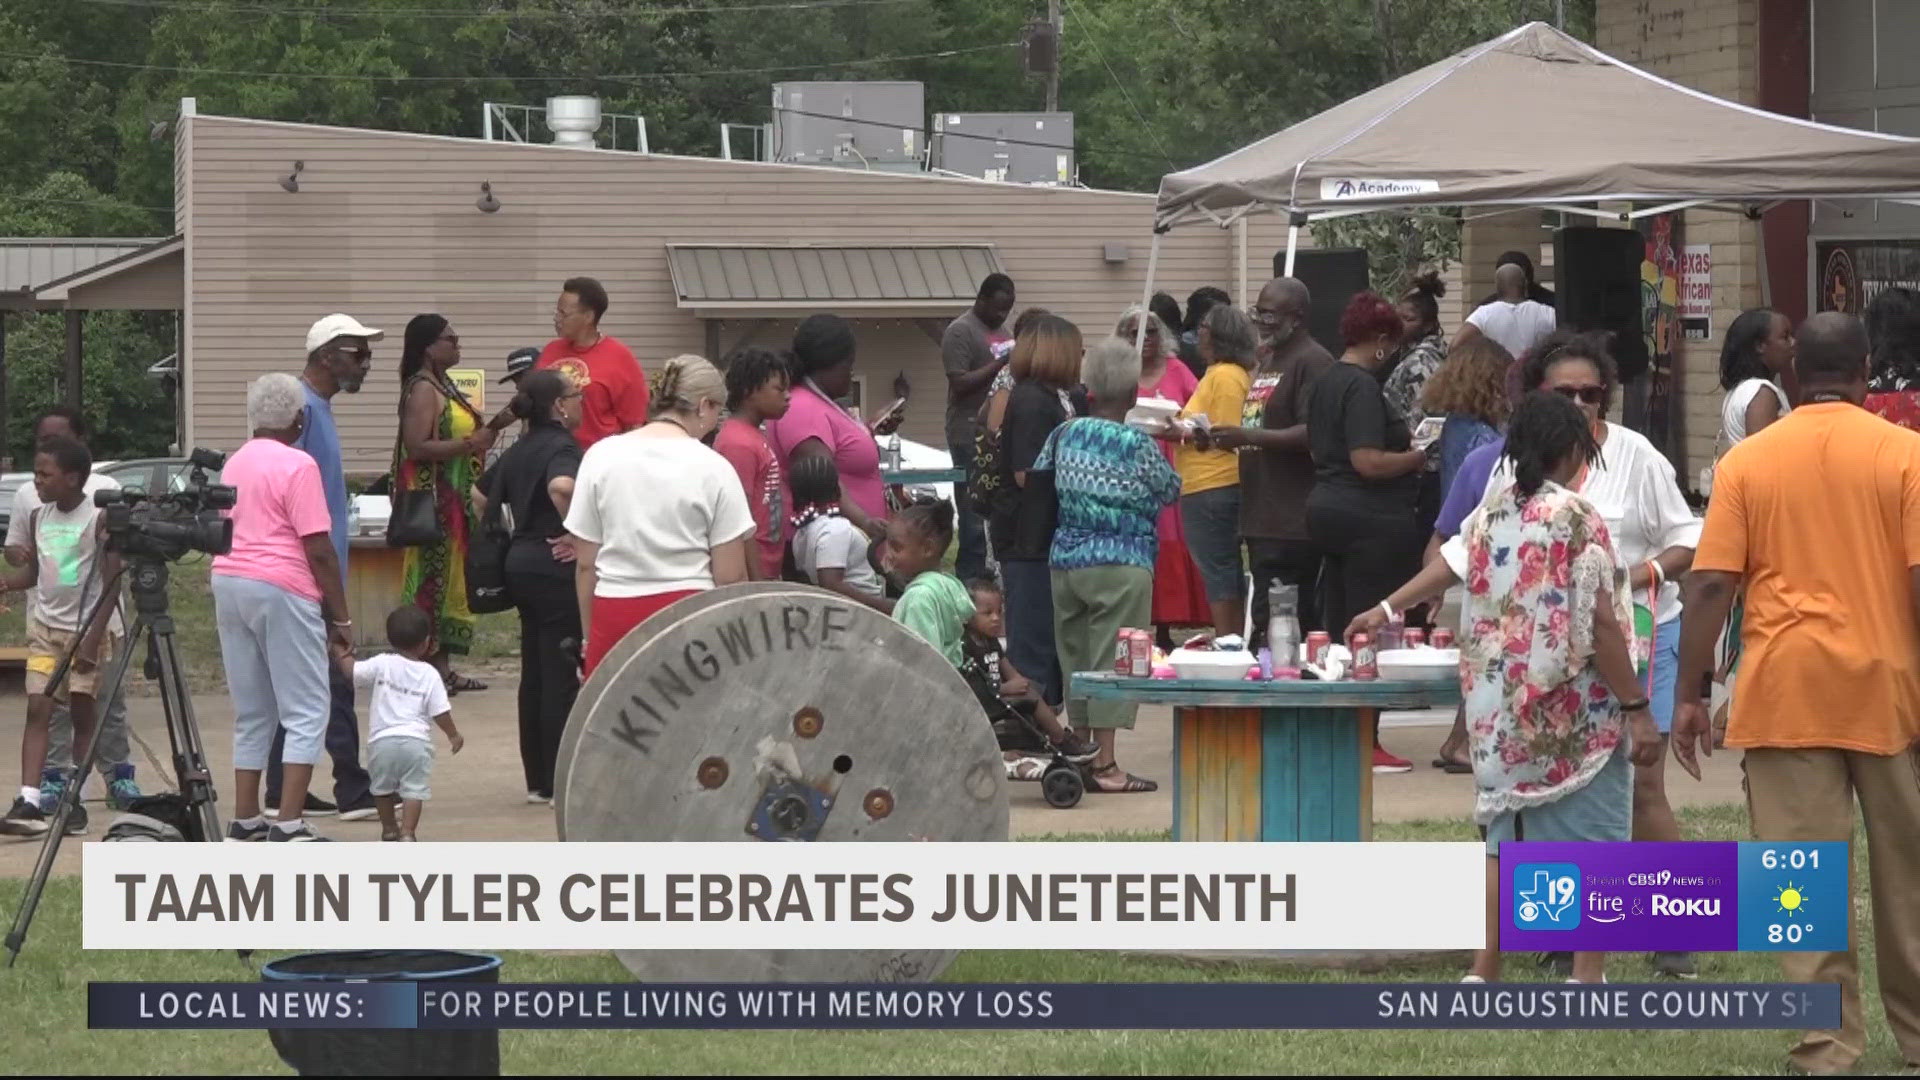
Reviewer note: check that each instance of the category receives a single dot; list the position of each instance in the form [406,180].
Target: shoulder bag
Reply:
[487,550]
[415,518]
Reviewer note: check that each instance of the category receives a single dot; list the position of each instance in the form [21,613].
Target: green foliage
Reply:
[131,412]
[87,87]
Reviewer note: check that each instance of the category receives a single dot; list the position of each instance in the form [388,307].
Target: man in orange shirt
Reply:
[1818,519]
[614,387]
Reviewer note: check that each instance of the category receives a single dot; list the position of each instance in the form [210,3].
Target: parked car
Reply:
[153,476]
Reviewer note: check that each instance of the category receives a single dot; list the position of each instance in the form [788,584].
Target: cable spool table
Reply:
[778,712]
[1283,760]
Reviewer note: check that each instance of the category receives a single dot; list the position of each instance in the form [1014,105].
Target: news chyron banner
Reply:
[1683,897]
[1212,896]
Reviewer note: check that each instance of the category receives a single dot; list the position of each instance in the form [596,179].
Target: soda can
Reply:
[1123,652]
[1366,662]
[1412,637]
[1442,638]
[1140,655]
[1318,643]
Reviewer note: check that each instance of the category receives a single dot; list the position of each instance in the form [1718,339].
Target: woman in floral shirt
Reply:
[1555,712]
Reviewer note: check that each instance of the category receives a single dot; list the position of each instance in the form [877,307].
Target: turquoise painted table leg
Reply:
[1273,774]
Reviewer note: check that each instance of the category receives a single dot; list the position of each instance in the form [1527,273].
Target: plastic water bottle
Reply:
[1283,629]
[353,516]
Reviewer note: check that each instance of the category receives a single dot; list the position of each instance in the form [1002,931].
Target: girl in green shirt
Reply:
[935,605]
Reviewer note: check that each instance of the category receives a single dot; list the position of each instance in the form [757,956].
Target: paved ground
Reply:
[479,795]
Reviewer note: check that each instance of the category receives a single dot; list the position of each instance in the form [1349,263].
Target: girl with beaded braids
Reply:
[657,515]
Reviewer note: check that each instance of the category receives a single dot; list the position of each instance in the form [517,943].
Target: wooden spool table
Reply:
[1282,760]
[778,712]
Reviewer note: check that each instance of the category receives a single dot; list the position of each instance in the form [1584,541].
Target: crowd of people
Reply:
[1371,481]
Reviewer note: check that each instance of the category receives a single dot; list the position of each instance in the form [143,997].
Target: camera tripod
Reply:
[153,622]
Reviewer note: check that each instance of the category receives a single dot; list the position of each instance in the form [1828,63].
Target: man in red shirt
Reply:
[614,388]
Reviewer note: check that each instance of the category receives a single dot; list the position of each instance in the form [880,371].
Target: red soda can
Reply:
[1123,652]
[1412,637]
[1140,655]
[1442,638]
[1318,643]
[1366,662]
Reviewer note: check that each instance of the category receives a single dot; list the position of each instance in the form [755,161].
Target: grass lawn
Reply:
[496,637]
[43,1006]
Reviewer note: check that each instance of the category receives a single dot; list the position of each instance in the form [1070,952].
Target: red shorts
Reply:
[613,616]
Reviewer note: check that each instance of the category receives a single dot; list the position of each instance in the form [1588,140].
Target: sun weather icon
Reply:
[1791,900]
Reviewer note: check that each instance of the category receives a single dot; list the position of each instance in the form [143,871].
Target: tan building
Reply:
[698,255]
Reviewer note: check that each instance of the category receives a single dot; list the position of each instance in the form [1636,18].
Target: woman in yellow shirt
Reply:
[1210,477]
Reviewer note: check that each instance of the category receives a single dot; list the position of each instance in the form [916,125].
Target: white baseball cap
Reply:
[339,326]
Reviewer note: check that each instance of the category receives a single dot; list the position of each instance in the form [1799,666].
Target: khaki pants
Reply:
[1808,795]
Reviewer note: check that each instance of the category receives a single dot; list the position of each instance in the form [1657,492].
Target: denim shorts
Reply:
[1602,810]
[1663,674]
[1212,522]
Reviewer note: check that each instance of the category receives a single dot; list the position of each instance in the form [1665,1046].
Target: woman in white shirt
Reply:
[1757,354]
[657,515]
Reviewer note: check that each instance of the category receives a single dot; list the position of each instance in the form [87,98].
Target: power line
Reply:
[635,77]
[1128,98]
[472,13]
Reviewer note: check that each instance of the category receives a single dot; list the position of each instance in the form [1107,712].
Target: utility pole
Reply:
[1053,70]
[1560,14]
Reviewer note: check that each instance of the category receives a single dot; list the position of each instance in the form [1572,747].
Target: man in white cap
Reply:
[339,355]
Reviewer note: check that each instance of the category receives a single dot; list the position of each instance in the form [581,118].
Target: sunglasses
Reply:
[356,355]
[1591,395]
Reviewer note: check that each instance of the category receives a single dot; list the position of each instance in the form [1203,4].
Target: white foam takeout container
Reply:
[1422,664]
[1152,414]
[1211,665]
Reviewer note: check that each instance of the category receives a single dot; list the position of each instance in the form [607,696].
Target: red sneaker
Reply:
[1384,762]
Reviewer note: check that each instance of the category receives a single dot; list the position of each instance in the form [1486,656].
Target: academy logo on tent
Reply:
[1376,189]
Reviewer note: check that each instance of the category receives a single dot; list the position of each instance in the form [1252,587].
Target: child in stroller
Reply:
[1031,736]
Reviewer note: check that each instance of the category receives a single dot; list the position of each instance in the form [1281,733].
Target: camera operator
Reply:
[114,759]
[66,559]
[280,605]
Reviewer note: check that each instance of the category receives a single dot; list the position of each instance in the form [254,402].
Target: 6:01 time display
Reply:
[1790,859]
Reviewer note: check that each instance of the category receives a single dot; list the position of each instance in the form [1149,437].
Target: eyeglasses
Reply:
[356,355]
[1264,317]
[1591,395]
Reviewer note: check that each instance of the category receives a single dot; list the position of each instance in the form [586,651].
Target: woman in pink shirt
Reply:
[816,425]
[1179,596]
[277,593]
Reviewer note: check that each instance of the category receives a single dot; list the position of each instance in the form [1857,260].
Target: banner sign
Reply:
[780,896]
[1684,897]
[962,1006]
[1696,292]
[1853,272]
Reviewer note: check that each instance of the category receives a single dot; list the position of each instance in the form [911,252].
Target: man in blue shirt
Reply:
[339,355]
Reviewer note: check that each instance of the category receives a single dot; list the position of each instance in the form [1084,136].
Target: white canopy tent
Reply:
[1535,118]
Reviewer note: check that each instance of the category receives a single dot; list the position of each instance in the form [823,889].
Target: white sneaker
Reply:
[1472,979]
[534,798]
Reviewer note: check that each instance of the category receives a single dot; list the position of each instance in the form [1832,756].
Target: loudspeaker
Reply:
[1332,276]
[1596,285]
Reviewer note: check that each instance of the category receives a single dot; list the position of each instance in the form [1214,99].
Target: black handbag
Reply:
[487,557]
[414,520]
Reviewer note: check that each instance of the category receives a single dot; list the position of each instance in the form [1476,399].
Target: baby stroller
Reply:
[1062,782]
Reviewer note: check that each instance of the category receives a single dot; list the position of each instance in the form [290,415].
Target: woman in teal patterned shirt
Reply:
[1111,482]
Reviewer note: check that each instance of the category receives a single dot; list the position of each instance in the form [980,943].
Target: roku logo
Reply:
[1675,905]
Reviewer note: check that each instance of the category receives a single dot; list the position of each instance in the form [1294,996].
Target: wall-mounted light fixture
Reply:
[1113,253]
[486,203]
[291,182]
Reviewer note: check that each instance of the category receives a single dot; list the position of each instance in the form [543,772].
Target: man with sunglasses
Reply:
[339,355]
[1276,469]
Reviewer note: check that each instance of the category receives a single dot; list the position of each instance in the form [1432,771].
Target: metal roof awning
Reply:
[168,288]
[27,262]
[905,281]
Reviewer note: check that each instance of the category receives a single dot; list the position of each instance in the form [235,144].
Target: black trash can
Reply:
[314,1052]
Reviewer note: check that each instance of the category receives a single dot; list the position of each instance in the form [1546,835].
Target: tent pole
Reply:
[1146,294]
[1760,252]
[1240,261]
[1294,221]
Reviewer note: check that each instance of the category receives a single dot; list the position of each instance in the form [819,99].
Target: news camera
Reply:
[168,525]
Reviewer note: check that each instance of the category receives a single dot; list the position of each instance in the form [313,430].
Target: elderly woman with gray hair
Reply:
[277,594]
[1110,482]
[1209,474]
